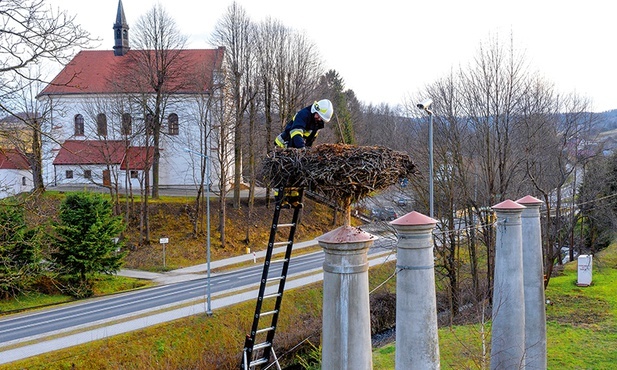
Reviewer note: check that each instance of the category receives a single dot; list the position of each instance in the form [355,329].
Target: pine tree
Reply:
[20,255]
[84,237]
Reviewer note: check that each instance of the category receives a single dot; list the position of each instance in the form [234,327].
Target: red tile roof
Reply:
[82,152]
[101,72]
[12,159]
[137,158]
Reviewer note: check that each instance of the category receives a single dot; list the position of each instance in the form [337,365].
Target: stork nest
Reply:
[341,173]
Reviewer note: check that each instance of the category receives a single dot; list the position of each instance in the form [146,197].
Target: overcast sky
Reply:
[388,50]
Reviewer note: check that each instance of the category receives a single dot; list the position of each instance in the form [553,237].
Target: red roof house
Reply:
[12,159]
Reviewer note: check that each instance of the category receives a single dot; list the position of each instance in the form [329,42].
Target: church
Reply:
[117,115]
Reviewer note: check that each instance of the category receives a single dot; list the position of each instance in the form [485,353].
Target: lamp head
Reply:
[425,104]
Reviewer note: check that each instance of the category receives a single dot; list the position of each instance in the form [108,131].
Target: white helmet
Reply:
[324,109]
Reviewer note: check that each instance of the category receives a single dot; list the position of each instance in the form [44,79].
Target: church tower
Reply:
[121,32]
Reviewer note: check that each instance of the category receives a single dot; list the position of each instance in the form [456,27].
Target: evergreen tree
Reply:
[84,237]
[595,197]
[20,255]
[334,87]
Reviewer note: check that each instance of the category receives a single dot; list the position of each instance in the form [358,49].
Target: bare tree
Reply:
[269,34]
[32,120]
[157,56]
[555,128]
[235,32]
[491,88]
[31,33]
[222,112]
[297,73]
[206,105]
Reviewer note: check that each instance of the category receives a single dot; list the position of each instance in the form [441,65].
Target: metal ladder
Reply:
[257,349]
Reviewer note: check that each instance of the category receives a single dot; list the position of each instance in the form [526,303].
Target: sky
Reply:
[389,50]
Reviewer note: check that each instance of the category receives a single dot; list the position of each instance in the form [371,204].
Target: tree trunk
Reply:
[36,163]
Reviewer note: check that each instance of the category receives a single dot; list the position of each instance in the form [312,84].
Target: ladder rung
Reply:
[268,313]
[264,330]
[281,261]
[261,345]
[285,225]
[278,278]
[275,295]
[280,243]
[258,362]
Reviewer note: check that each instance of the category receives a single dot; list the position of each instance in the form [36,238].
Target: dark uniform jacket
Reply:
[300,131]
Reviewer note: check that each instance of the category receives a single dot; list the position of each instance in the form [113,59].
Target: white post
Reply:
[346,334]
[508,328]
[417,341]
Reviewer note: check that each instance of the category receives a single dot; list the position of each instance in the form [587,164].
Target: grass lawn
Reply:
[102,285]
[581,325]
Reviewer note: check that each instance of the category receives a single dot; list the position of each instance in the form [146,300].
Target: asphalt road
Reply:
[16,329]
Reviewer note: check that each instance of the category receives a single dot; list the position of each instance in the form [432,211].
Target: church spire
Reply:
[121,32]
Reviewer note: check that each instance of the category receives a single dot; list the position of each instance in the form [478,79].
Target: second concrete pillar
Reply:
[417,342]
[508,327]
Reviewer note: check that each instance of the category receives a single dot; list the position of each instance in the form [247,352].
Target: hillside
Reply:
[171,218]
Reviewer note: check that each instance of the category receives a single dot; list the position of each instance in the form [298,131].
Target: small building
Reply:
[15,176]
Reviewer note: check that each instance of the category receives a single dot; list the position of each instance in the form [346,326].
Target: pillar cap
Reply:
[346,234]
[508,205]
[414,219]
[528,199]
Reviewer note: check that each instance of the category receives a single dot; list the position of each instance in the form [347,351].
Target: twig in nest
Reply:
[342,173]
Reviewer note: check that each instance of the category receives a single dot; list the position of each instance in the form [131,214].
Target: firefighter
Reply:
[301,131]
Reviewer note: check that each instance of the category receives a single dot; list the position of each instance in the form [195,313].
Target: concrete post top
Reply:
[508,206]
[346,234]
[414,219]
[528,200]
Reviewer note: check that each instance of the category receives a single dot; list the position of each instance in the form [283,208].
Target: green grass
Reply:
[581,328]
[32,300]
[581,325]
[102,285]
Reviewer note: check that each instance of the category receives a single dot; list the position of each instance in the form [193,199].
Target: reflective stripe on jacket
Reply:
[298,132]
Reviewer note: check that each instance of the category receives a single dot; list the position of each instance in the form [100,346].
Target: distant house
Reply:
[609,145]
[15,176]
[103,116]
[14,131]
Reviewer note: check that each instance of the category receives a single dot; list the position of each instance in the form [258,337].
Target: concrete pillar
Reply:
[417,342]
[508,328]
[346,336]
[533,278]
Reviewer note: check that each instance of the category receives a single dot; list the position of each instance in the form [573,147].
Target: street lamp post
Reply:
[424,105]
[208,294]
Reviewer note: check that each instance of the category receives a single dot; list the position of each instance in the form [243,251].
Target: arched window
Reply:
[101,124]
[79,125]
[127,124]
[149,122]
[172,121]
